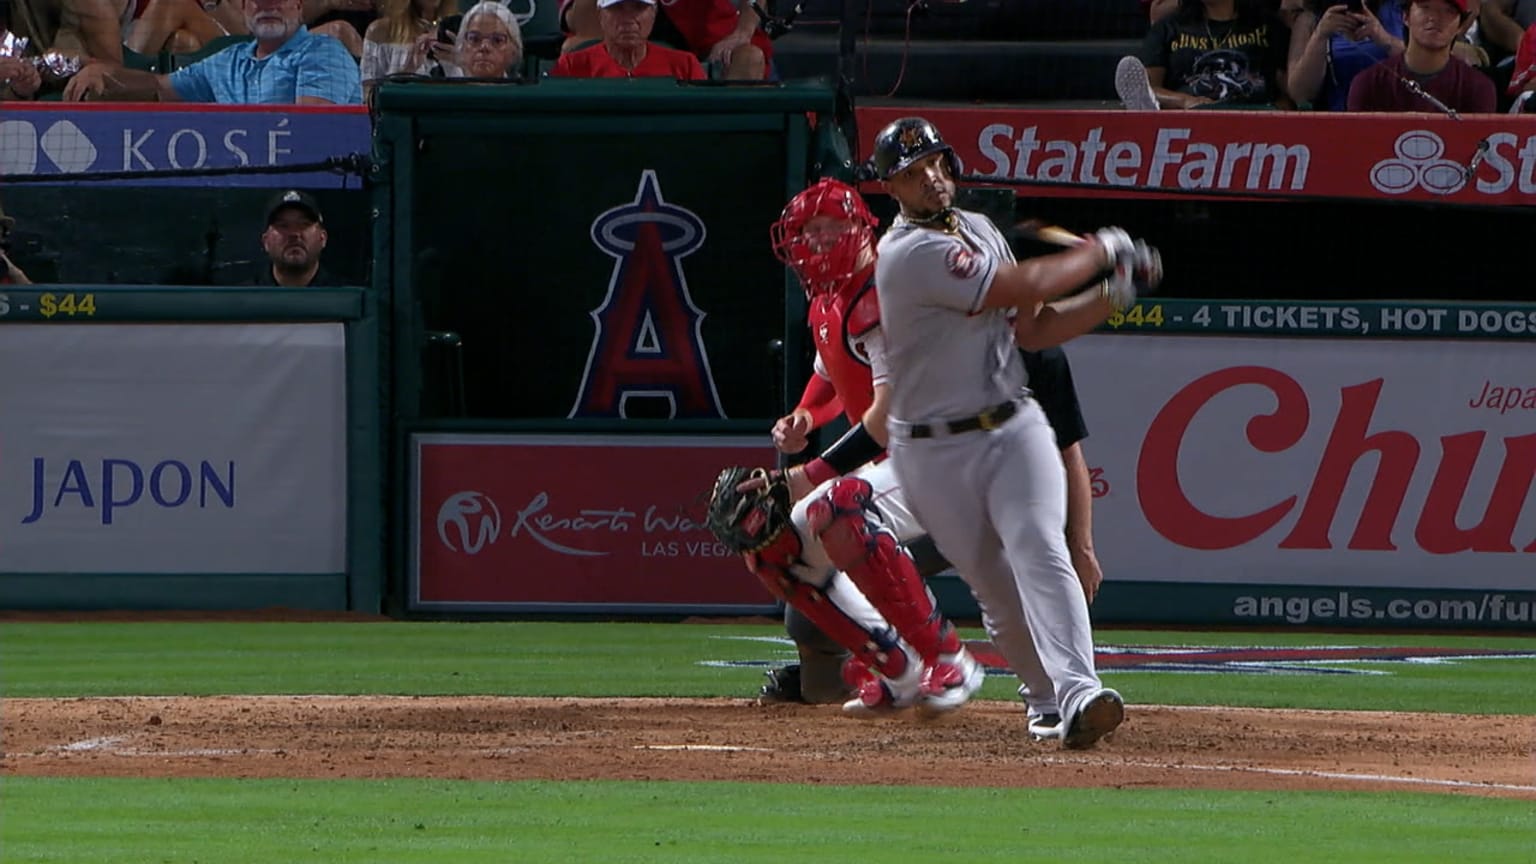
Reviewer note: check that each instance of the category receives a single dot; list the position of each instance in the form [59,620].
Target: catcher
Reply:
[824,536]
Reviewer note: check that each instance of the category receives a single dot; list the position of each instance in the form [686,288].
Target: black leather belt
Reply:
[989,419]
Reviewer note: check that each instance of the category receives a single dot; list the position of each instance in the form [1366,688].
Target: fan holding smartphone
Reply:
[1335,40]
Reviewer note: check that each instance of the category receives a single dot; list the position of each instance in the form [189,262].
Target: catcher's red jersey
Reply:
[839,321]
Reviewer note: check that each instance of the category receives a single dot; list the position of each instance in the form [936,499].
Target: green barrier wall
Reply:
[509,237]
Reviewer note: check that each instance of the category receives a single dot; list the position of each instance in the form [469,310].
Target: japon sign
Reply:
[1389,156]
[566,523]
[1251,460]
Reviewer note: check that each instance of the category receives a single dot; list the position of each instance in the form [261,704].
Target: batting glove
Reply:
[1117,244]
[1136,268]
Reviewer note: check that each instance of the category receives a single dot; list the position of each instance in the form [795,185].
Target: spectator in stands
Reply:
[293,240]
[186,26]
[436,54]
[1425,77]
[391,39]
[19,78]
[88,29]
[725,34]
[1330,45]
[179,26]
[286,64]
[626,50]
[1502,24]
[345,20]
[10,274]
[1523,83]
[489,45]
[1209,52]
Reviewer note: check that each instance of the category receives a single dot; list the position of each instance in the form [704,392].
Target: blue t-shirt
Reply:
[1348,58]
[306,65]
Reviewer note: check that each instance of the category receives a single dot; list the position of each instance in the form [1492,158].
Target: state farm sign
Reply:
[1477,160]
[1172,158]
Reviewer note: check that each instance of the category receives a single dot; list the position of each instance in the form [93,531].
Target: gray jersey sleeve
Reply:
[872,346]
[950,270]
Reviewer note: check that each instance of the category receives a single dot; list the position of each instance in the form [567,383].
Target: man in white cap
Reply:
[626,50]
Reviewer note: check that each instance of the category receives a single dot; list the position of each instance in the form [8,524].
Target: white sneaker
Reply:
[1133,87]
[1044,727]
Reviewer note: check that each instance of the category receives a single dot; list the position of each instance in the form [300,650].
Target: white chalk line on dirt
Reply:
[109,746]
[718,748]
[1292,772]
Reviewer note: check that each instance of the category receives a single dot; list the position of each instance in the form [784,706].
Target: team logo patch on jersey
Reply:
[962,262]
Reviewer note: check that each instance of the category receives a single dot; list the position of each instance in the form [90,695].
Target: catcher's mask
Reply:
[821,233]
[907,140]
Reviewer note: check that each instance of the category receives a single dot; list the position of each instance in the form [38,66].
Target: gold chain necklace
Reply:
[1217,46]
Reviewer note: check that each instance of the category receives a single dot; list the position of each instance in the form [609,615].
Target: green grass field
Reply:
[159,820]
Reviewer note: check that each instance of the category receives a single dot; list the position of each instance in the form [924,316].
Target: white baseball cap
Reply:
[604,4]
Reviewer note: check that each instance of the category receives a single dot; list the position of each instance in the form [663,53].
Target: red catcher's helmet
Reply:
[823,260]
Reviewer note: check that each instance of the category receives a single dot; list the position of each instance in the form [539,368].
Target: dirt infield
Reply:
[487,738]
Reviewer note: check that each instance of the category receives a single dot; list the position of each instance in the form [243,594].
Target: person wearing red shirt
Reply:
[626,50]
[1523,83]
[723,33]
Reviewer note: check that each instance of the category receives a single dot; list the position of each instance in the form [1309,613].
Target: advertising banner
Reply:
[1419,157]
[63,140]
[1373,463]
[572,523]
[198,449]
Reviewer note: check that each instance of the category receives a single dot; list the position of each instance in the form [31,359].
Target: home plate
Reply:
[719,748]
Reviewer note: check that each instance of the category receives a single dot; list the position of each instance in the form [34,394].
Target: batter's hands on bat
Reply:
[1138,267]
[1086,563]
[791,431]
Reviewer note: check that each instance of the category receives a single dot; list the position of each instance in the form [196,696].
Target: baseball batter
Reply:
[842,568]
[972,450]
[816,677]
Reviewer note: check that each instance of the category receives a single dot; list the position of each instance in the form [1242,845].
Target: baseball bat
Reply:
[1038,229]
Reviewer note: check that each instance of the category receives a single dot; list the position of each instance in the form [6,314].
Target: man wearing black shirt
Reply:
[293,240]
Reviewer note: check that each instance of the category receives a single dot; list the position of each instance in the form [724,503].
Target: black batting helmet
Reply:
[905,141]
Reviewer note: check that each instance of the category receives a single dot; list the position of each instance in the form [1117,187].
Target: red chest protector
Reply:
[836,321]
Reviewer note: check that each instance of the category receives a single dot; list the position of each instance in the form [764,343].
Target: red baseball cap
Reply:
[1461,5]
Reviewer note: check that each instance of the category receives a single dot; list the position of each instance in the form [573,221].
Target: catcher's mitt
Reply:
[747,520]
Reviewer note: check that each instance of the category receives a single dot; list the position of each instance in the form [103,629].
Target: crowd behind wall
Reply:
[1276,55]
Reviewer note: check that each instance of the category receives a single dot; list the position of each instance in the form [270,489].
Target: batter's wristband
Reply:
[820,401]
[855,448]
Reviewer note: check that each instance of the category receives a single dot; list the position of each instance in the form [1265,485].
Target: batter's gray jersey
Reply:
[947,357]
